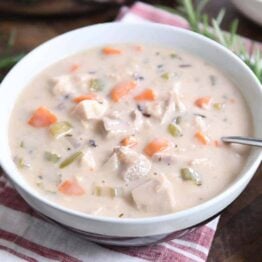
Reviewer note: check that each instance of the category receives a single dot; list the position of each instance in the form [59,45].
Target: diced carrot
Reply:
[202,101]
[90,96]
[155,146]
[129,141]
[121,90]
[111,51]
[147,95]
[42,117]
[74,67]
[202,138]
[71,187]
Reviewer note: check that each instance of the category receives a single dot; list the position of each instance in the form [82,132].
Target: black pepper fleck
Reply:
[196,114]
[92,143]
[185,65]
[146,115]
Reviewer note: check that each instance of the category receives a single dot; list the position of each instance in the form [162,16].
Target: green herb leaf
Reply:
[199,23]
[11,39]
[8,61]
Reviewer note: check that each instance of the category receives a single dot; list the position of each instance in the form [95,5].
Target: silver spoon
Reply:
[251,141]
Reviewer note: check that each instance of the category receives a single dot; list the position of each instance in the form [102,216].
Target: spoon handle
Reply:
[242,140]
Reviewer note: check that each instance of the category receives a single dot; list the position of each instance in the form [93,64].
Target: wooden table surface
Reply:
[239,234]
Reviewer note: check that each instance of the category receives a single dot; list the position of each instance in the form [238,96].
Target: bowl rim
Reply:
[144,220]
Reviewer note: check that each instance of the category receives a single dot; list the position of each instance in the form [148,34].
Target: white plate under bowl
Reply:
[115,230]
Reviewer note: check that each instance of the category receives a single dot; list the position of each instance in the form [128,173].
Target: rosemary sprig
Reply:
[200,23]
[8,61]
[8,58]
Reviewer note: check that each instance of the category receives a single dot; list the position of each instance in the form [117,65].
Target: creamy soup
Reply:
[129,131]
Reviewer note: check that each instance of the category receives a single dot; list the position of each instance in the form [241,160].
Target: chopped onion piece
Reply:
[108,191]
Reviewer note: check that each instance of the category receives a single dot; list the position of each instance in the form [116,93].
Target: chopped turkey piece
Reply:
[114,125]
[167,157]
[82,82]
[112,164]
[175,93]
[48,181]
[200,123]
[170,109]
[155,195]
[90,109]
[154,109]
[132,164]
[118,124]
[63,86]
[200,161]
[88,161]
[173,105]
[70,84]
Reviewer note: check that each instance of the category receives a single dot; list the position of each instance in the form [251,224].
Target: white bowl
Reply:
[250,8]
[142,230]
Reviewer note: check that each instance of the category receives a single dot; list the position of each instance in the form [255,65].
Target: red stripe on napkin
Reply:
[193,245]
[17,254]
[40,250]
[157,15]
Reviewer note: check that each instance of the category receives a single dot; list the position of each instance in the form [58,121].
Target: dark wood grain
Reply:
[239,234]
[42,8]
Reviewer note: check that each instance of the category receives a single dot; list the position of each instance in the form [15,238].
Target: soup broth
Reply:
[129,131]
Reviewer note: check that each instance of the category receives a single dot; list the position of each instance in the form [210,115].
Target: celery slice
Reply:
[52,157]
[165,76]
[174,130]
[68,161]
[218,106]
[21,163]
[108,191]
[96,85]
[60,129]
[190,174]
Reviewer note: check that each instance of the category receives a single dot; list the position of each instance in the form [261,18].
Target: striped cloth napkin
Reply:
[25,236]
